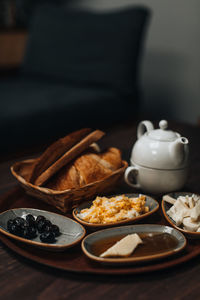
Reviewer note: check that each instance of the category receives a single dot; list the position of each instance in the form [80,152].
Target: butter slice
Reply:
[124,247]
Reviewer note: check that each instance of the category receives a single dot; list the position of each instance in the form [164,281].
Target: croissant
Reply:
[85,169]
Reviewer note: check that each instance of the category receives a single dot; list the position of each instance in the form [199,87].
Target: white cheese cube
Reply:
[189,225]
[195,212]
[191,202]
[179,211]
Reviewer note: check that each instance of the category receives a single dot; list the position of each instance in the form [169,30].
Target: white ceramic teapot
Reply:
[159,159]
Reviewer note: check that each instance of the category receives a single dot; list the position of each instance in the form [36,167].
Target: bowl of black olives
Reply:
[41,228]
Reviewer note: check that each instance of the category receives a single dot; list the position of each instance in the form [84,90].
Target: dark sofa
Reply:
[80,70]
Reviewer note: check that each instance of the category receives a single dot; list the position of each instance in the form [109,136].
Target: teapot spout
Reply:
[178,151]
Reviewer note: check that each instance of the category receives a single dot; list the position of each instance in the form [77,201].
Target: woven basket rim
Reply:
[48,191]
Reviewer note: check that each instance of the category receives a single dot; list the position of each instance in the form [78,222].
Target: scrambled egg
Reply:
[107,210]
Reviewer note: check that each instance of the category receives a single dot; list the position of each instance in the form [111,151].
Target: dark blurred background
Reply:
[70,64]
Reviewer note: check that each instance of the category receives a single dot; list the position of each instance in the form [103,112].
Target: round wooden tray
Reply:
[73,259]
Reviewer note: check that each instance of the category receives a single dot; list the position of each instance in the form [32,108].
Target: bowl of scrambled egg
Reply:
[113,211]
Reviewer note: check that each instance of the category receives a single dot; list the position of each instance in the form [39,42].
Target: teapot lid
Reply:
[163,134]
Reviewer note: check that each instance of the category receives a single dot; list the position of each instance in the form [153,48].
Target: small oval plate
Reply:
[166,206]
[150,202]
[71,231]
[89,241]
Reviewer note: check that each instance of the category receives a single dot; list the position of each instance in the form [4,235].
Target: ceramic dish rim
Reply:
[40,244]
[132,259]
[125,221]
[187,232]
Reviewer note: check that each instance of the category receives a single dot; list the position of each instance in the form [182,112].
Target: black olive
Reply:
[31,220]
[32,232]
[40,218]
[28,227]
[19,221]
[26,233]
[21,230]
[48,229]
[48,223]
[47,237]
[9,224]
[15,229]
[47,226]
[41,226]
[55,230]
[25,224]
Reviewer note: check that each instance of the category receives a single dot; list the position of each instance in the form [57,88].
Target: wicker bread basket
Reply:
[68,199]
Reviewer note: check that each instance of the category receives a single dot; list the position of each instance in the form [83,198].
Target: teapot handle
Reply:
[133,171]
[144,126]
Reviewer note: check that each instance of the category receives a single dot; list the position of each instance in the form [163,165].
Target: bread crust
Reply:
[55,151]
[87,168]
[81,142]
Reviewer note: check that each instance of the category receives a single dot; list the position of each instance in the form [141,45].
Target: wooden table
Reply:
[21,278]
